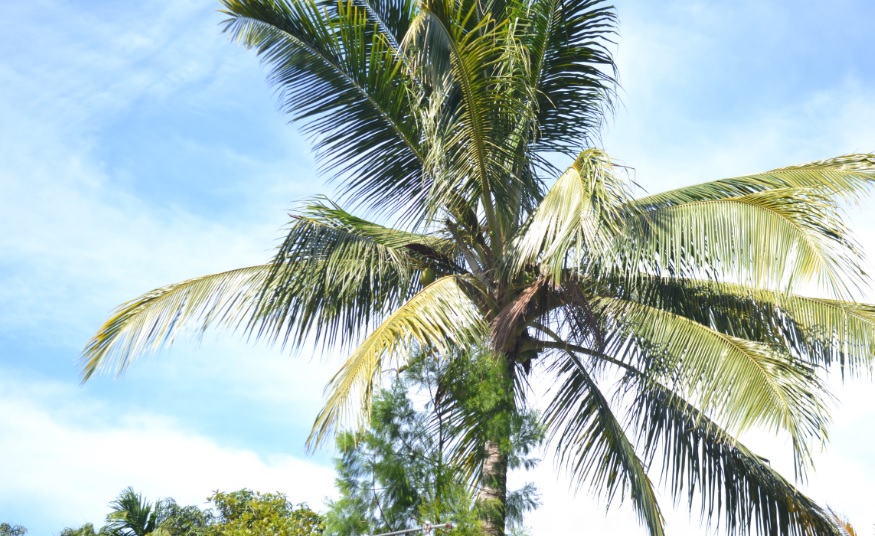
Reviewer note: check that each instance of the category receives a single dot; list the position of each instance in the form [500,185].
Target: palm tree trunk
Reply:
[492,499]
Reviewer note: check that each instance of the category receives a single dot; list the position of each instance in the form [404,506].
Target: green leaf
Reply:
[572,70]
[577,220]
[700,457]
[819,331]
[339,74]
[157,317]
[740,382]
[593,445]
[335,277]
[780,230]
[441,317]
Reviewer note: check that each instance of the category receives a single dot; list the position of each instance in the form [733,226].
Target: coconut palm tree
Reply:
[665,324]
[133,515]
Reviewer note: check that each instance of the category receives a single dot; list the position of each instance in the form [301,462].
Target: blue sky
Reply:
[139,147]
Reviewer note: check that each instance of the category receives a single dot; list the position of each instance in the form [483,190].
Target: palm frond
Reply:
[700,457]
[393,17]
[571,68]
[157,317]
[341,76]
[820,331]
[592,443]
[477,115]
[577,218]
[741,383]
[844,525]
[441,318]
[435,249]
[780,230]
[335,276]
[845,177]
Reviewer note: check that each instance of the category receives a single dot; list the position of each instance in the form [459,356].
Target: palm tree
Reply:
[133,515]
[682,311]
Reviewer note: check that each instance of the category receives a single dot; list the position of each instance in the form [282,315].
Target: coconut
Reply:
[426,277]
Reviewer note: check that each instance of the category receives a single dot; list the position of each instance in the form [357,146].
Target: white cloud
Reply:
[64,460]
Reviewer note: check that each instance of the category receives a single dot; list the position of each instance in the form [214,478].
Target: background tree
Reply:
[244,512]
[86,530]
[400,472]
[238,513]
[132,515]
[7,529]
[179,520]
[441,119]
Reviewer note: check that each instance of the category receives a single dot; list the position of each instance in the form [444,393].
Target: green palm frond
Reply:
[592,443]
[157,317]
[699,457]
[478,115]
[779,230]
[577,218]
[441,318]
[391,16]
[820,331]
[335,277]
[571,69]
[741,383]
[133,515]
[342,79]
[847,178]
[436,248]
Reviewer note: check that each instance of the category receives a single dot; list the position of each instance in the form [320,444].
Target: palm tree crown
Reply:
[133,515]
[666,324]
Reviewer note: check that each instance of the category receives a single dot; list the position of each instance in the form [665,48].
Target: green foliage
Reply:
[248,513]
[86,530]
[238,513]
[185,520]
[133,515]
[7,529]
[416,461]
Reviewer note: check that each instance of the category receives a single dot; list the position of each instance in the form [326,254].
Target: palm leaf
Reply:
[740,382]
[335,277]
[571,69]
[477,115]
[593,444]
[157,317]
[780,229]
[820,331]
[440,318]
[576,219]
[392,17]
[700,457]
[845,177]
[437,248]
[341,77]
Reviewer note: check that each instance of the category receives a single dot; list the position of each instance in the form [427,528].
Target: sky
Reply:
[139,147]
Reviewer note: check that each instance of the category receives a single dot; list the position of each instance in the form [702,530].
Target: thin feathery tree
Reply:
[665,324]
